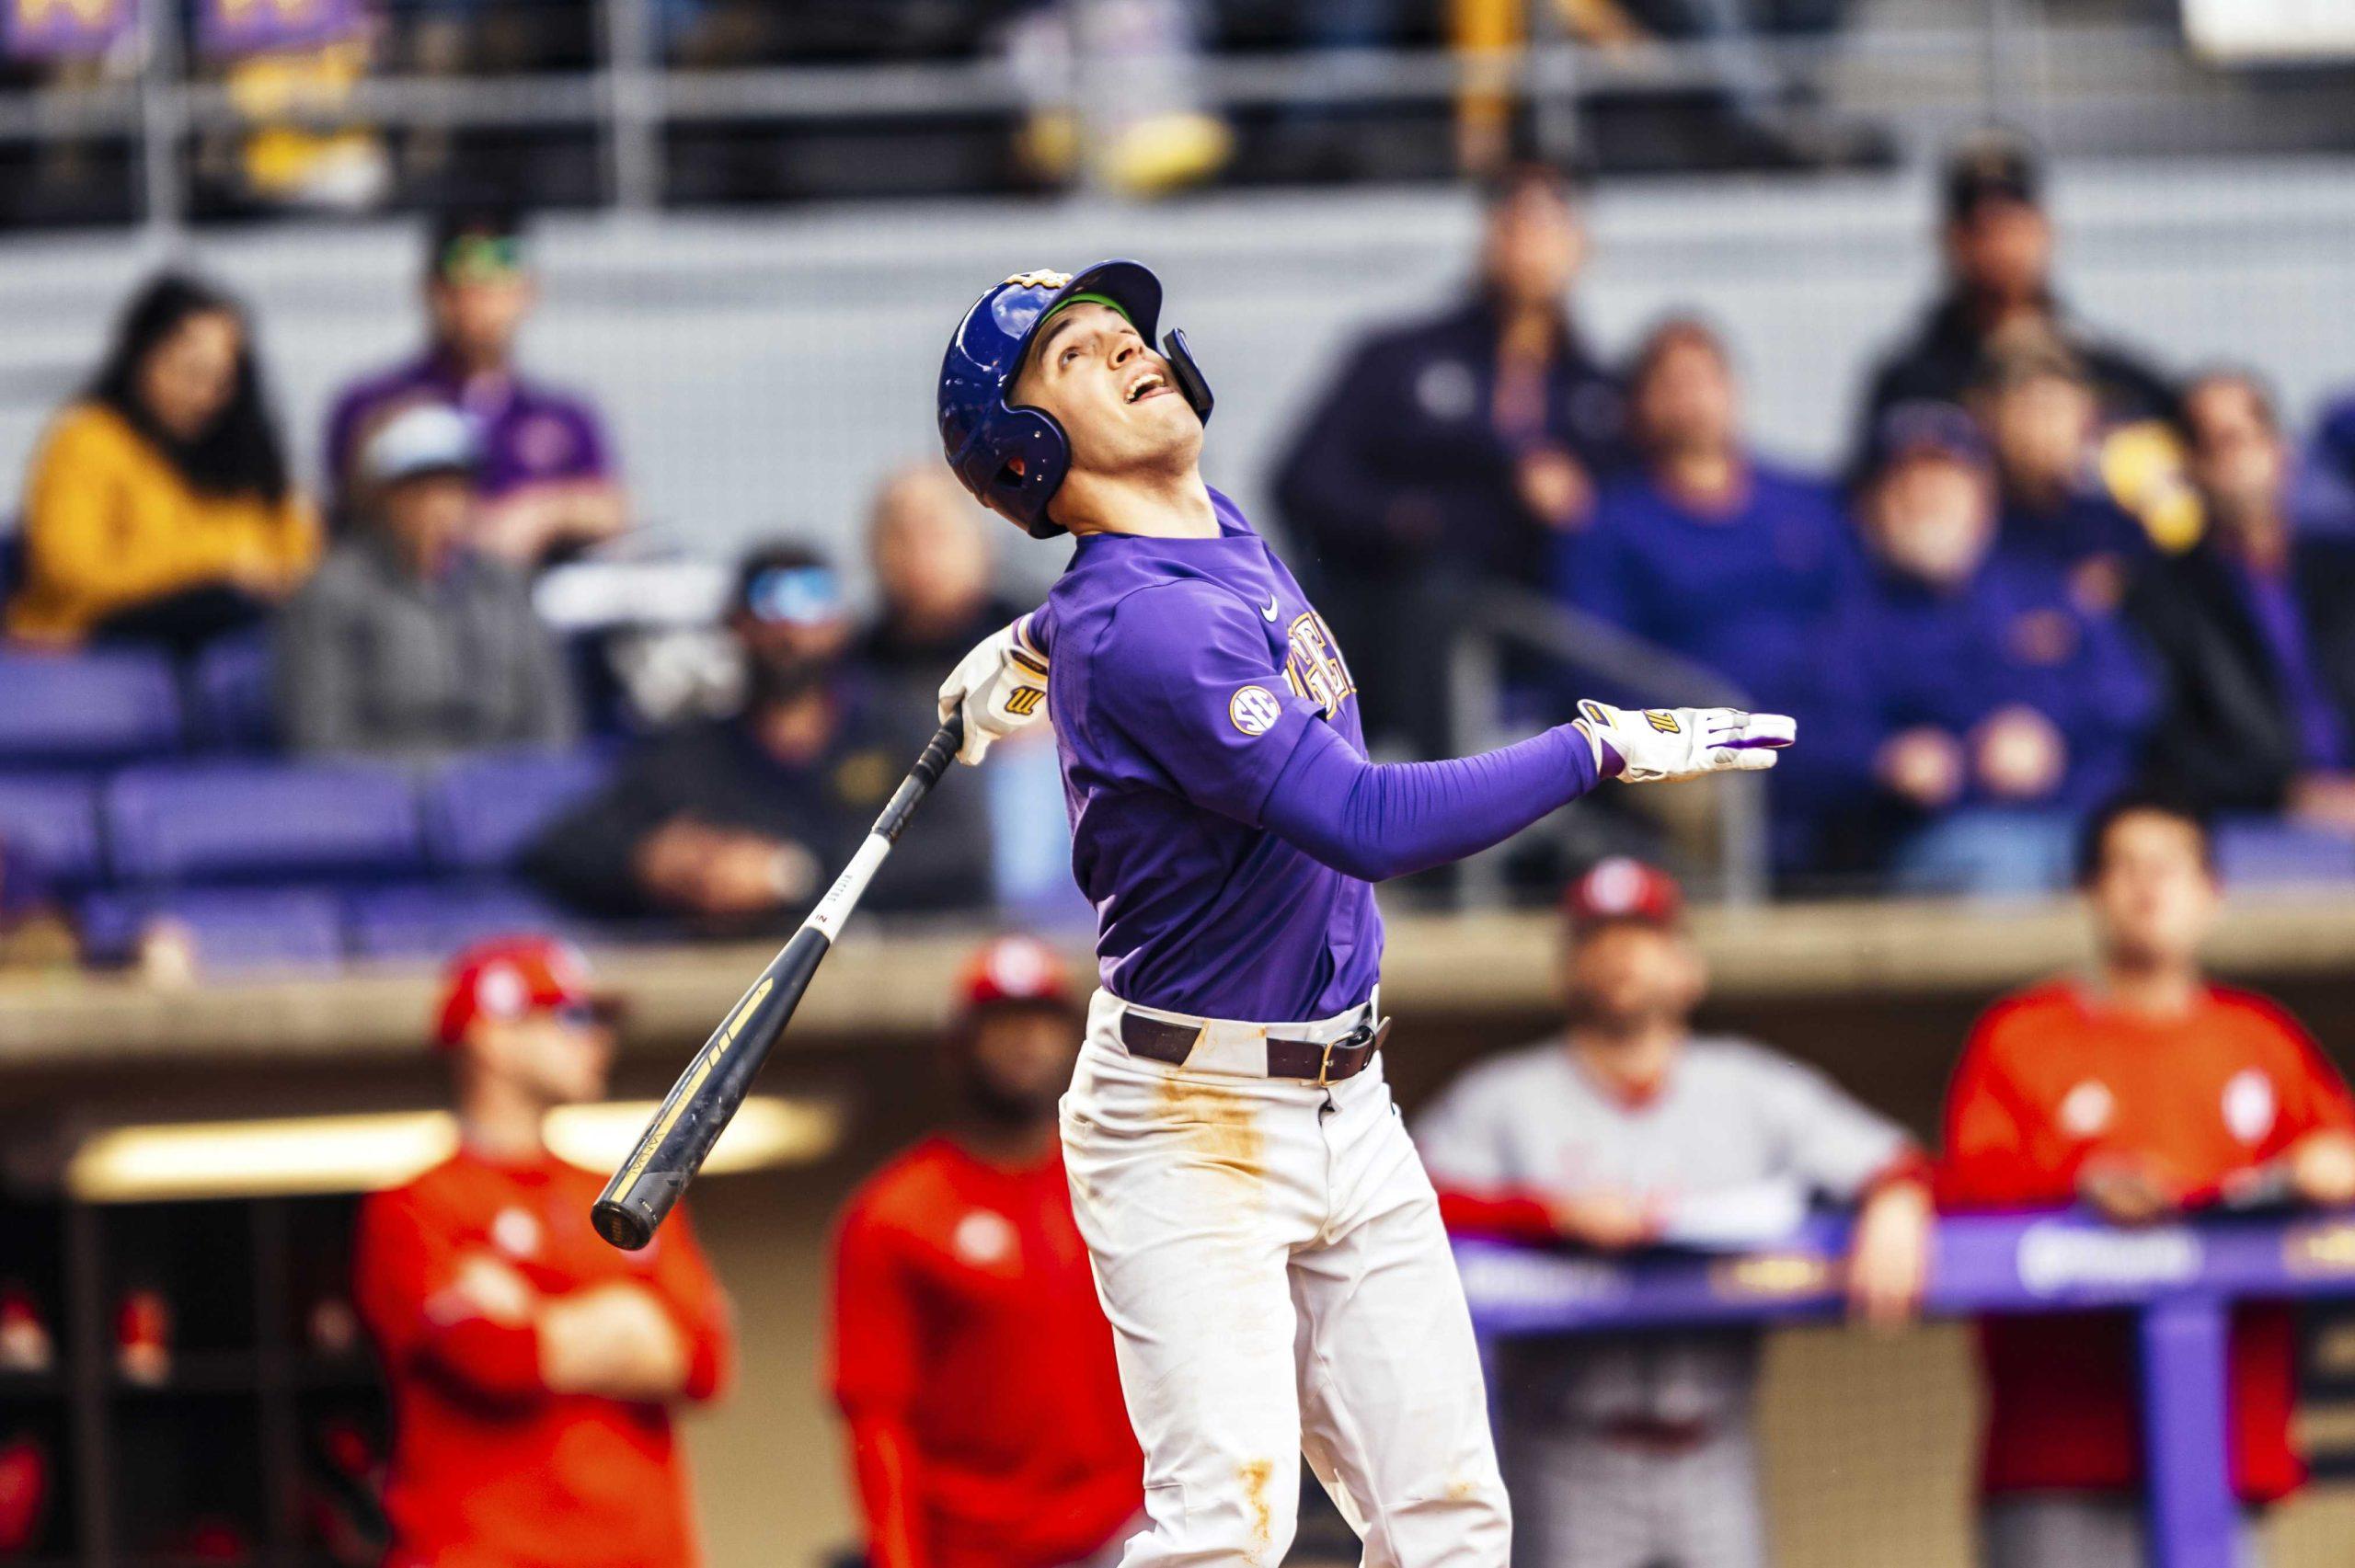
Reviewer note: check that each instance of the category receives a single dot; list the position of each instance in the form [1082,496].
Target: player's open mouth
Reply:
[1149,385]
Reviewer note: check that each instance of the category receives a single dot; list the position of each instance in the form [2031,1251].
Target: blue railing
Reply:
[2180,1281]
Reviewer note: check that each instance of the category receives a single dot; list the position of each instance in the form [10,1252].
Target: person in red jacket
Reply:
[532,1369]
[2143,1091]
[971,1359]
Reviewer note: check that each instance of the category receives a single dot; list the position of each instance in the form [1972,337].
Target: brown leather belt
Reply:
[1318,1061]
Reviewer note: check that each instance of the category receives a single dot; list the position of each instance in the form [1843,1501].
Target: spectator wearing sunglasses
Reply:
[733,825]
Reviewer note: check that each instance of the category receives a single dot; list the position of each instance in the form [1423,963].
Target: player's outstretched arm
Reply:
[1377,820]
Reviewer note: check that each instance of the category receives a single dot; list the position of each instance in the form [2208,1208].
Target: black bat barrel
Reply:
[704,1101]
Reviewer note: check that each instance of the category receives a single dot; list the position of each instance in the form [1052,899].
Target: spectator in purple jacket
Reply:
[1703,547]
[1966,708]
[548,482]
[2040,410]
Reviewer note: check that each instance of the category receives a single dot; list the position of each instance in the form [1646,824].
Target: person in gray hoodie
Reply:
[409,642]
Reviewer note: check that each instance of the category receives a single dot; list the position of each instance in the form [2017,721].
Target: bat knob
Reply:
[623,1226]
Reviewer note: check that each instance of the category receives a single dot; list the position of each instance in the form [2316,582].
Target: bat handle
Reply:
[938,753]
[941,749]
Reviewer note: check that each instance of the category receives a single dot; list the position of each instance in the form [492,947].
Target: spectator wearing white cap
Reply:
[409,643]
[1630,1131]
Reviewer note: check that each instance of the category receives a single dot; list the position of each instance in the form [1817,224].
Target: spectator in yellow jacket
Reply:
[159,508]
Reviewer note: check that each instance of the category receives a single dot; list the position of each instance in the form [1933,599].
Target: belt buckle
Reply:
[1354,1038]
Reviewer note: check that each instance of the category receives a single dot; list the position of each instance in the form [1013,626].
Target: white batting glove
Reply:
[1000,687]
[1650,744]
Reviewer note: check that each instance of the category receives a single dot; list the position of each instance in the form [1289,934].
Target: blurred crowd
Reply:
[2047,570]
[2049,567]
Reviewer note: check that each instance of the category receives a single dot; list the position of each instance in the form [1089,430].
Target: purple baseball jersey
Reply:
[530,433]
[1186,673]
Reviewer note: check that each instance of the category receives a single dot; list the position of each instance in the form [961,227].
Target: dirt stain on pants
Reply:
[1255,1475]
[1219,1127]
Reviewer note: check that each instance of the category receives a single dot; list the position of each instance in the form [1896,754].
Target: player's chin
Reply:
[1166,425]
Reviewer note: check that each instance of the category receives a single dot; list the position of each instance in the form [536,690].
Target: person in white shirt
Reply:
[1630,1131]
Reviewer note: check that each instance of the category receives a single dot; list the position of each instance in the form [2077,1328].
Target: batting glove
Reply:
[1000,687]
[1649,744]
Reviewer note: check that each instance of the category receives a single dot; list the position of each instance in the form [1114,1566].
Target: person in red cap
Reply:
[1631,1131]
[532,1369]
[971,1359]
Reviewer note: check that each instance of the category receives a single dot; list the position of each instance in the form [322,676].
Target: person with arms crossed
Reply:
[2143,1091]
[1263,1239]
[1631,1131]
[532,1369]
[970,1359]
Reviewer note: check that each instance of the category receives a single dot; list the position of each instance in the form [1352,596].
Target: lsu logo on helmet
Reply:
[1661,720]
[1043,278]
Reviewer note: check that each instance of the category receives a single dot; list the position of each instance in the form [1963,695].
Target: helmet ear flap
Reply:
[1180,355]
[1031,456]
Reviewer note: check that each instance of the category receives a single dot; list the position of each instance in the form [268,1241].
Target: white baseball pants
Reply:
[1270,1257]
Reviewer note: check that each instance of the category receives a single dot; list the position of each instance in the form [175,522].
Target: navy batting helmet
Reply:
[1013,458]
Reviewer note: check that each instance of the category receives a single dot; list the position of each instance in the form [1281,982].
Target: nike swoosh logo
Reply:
[1270,611]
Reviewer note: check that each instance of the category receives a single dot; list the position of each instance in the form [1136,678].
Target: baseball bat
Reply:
[699,1107]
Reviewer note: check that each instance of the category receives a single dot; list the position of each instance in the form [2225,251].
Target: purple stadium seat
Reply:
[435,919]
[253,821]
[235,697]
[2256,852]
[234,928]
[63,709]
[482,810]
[56,819]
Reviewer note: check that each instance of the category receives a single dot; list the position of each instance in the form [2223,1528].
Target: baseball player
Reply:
[2145,1092]
[1263,1237]
[1636,1451]
[532,1369]
[971,1359]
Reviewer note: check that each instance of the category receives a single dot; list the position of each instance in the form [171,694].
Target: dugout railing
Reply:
[2180,1281]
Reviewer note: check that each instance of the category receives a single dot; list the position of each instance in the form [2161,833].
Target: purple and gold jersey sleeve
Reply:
[1186,678]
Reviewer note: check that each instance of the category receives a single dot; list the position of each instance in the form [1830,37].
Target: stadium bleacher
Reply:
[145,798]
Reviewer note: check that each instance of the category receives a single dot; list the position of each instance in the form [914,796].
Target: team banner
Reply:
[262,27]
[64,29]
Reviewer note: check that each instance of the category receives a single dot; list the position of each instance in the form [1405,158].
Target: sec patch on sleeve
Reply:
[1254,710]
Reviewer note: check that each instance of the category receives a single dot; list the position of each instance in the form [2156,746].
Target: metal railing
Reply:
[2180,1281]
[1502,622]
[1997,64]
